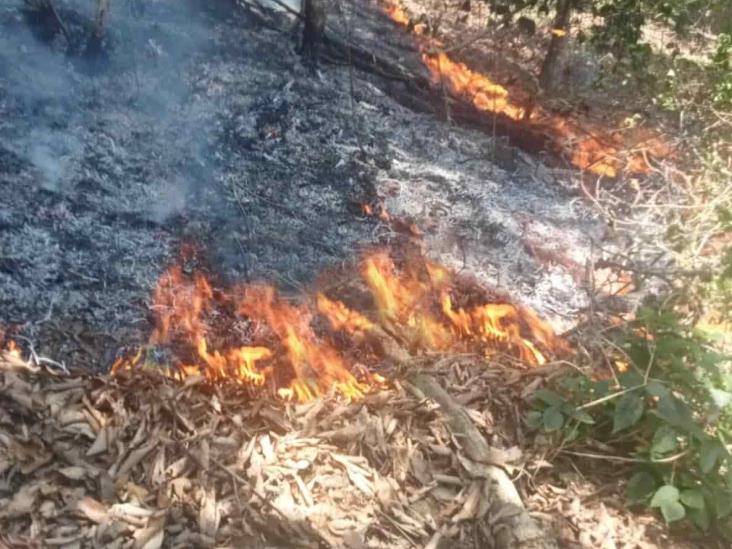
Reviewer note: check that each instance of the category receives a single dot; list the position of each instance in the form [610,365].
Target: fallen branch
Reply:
[508,520]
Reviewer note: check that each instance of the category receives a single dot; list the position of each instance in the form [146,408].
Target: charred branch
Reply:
[45,20]
[95,43]
[315,17]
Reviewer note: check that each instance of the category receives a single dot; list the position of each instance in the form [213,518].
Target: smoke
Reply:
[66,98]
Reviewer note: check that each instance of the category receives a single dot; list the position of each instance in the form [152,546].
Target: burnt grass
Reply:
[201,125]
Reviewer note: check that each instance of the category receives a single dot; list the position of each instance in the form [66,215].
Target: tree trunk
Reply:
[315,15]
[95,44]
[551,70]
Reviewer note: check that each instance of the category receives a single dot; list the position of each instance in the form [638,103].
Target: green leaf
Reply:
[630,379]
[665,495]
[583,417]
[601,389]
[553,419]
[675,412]
[548,397]
[673,511]
[710,453]
[656,389]
[692,498]
[664,441]
[628,411]
[671,345]
[573,434]
[533,419]
[640,487]
[701,517]
[722,503]
[711,361]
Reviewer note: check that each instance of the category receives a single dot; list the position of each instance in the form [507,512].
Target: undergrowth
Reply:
[669,412]
[664,409]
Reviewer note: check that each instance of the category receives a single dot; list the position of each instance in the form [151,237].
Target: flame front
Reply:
[252,336]
[590,148]
[485,94]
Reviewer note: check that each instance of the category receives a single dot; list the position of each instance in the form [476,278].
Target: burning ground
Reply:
[206,129]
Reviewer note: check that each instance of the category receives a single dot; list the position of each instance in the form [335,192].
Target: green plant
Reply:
[669,413]
[721,71]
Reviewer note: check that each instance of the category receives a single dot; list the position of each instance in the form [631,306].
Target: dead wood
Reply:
[508,520]
[45,17]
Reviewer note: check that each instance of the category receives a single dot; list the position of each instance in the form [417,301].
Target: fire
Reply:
[251,335]
[590,148]
[379,211]
[485,94]
[397,13]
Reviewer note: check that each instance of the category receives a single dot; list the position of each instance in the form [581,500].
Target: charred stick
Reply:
[48,7]
[315,16]
[96,39]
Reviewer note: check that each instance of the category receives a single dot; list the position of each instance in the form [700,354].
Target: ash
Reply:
[200,124]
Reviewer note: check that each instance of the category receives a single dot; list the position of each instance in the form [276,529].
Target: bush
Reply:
[670,410]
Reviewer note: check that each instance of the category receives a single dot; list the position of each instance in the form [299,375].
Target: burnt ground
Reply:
[202,125]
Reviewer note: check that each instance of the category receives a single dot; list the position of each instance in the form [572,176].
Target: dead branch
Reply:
[509,522]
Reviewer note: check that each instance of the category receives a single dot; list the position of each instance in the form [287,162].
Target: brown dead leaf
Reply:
[136,457]
[151,537]
[22,502]
[92,509]
[103,442]
[420,468]
[470,505]
[75,472]
[208,517]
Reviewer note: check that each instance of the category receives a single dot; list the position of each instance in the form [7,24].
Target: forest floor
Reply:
[204,126]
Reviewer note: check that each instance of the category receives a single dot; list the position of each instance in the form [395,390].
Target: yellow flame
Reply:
[412,303]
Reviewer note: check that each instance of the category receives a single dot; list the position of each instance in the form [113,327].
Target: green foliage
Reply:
[721,71]
[671,412]
[622,28]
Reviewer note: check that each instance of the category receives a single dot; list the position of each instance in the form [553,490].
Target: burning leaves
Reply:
[253,336]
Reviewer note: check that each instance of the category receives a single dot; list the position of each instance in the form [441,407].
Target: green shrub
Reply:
[670,412]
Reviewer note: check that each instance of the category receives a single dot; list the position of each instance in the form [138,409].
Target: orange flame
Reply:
[412,304]
[591,148]
[485,94]
[380,212]
[397,14]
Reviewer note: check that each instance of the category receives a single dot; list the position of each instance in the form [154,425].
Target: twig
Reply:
[620,459]
[610,397]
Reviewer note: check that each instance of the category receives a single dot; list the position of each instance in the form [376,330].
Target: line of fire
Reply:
[582,143]
[414,308]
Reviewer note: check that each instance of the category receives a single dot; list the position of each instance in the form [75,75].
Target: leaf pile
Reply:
[140,460]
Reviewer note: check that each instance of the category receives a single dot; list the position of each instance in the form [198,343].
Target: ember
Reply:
[280,347]
[589,147]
